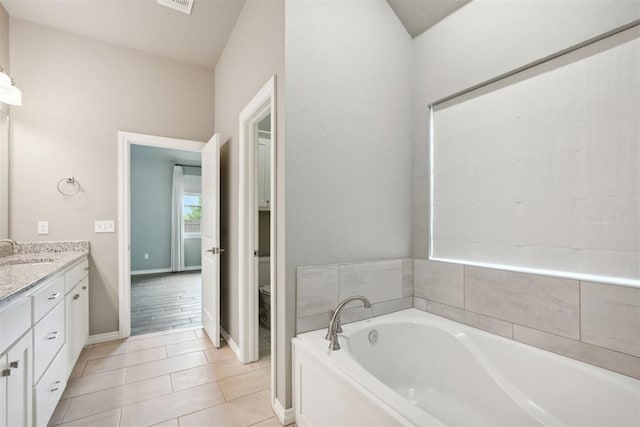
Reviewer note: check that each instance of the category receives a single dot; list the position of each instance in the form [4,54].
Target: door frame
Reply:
[125,141]
[263,101]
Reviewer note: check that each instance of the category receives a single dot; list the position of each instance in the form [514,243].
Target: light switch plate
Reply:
[108,226]
[43,227]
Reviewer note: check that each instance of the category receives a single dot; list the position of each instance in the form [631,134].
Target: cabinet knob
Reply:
[76,296]
[84,287]
[54,296]
[6,372]
[14,365]
[53,335]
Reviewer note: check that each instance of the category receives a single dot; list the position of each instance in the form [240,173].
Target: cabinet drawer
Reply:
[75,274]
[49,390]
[15,320]
[48,337]
[47,298]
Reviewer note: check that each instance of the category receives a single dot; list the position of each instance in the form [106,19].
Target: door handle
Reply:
[53,335]
[54,296]
[76,296]
[14,365]
[215,251]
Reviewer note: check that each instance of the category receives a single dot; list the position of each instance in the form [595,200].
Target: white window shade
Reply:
[540,171]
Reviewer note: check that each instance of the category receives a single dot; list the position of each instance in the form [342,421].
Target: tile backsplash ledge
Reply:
[388,284]
[595,323]
[592,322]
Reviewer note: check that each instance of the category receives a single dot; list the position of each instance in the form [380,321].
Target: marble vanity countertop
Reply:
[30,264]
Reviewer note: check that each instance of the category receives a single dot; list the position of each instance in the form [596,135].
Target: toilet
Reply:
[265,306]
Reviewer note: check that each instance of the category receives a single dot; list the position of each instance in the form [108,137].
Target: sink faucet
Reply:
[334,323]
[13,242]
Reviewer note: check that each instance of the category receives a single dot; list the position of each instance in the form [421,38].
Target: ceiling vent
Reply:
[183,6]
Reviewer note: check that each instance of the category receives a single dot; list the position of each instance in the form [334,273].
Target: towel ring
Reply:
[73,181]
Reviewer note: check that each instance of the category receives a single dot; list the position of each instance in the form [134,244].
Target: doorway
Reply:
[166,213]
[257,257]
[194,219]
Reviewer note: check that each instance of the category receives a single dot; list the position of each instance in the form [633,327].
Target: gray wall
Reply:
[253,54]
[482,40]
[151,181]
[4,47]
[596,323]
[70,128]
[4,143]
[193,252]
[151,184]
[348,189]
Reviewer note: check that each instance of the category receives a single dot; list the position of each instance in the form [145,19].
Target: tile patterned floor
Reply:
[165,301]
[172,378]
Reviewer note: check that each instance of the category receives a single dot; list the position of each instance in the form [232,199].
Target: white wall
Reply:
[78,93]
[4,47]
[4,143]
[253,54]
[348,189]
[485,39]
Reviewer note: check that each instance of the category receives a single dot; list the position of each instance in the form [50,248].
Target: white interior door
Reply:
[210,227]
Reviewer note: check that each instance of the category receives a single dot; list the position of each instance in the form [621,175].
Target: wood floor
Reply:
[165,301]
[173,378]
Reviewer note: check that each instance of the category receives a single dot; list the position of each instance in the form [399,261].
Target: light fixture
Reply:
[9,92]
[5,80]
[11,95]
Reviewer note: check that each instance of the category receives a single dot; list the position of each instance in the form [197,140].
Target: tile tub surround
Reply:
[16,279]
[388,284]
[595,323]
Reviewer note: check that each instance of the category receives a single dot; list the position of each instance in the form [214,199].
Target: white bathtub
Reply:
[428,371]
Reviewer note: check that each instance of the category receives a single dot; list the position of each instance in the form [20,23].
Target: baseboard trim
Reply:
[286,416]
[152,271]
[232,344]
[100,338]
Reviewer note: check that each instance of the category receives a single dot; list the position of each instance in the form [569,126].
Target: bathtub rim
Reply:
[344,363]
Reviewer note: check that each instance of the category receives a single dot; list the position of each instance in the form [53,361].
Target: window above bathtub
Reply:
[539,171]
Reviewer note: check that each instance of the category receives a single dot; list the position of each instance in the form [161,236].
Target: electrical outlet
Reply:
[105,226]
[43,227]
[146,256]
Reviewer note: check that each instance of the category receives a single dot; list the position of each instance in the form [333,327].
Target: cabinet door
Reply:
[19,383]
[69,303]
[4,366]
[83,316]
[76,319]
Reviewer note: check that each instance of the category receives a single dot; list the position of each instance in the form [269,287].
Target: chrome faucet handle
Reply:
[337,327]
[334,343]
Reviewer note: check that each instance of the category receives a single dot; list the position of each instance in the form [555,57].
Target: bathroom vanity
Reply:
[44,324]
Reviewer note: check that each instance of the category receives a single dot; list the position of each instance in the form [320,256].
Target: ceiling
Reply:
[419,15]
[144,25]
[196,39]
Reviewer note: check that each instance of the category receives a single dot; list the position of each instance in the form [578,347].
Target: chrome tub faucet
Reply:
[334,324]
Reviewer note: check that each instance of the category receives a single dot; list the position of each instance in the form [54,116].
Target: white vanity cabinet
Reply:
[264,173]
[19,383]
[41,335]
[16,383]
[16,364]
